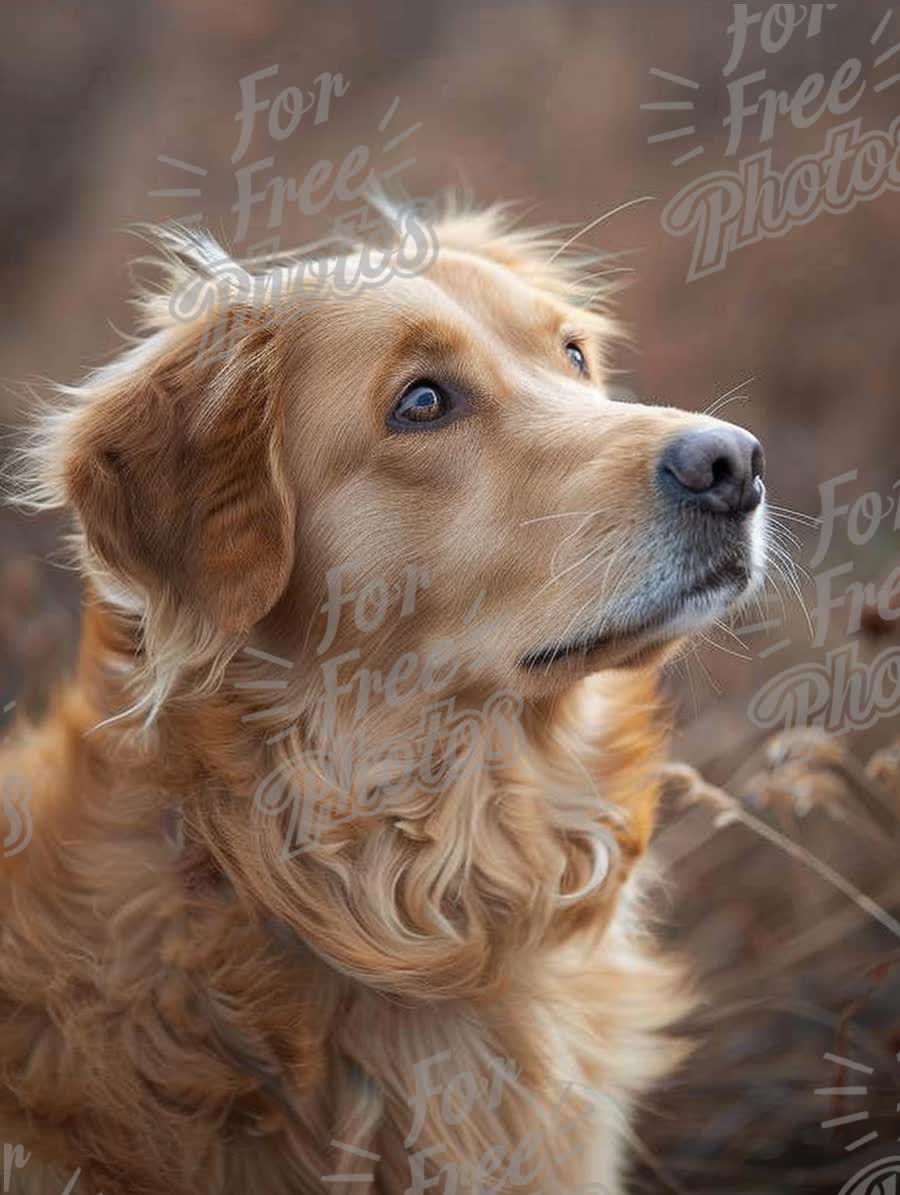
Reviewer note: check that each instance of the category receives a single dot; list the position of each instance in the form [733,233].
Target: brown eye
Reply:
[422,403]
[577,357]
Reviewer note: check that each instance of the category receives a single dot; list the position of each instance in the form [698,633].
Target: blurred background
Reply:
[115,114]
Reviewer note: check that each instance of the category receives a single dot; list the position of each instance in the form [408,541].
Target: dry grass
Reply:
[785,896]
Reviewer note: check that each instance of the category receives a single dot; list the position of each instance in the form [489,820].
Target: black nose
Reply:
[719,469]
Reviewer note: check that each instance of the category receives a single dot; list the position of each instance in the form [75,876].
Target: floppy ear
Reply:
[176,470]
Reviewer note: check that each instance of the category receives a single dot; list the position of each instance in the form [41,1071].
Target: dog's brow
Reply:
[423,341]
[551,324]
[434,336]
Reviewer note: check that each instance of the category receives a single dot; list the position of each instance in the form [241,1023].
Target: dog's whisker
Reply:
[783,536]
[603,588]
[728,396]
[566,514]
[600,220]
[696,657]
[604,274]
[797,516]
[730,631]
[738,655]
[786,568]
[572,534]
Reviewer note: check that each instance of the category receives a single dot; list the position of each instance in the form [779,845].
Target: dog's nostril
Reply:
[721,469]
[718,469]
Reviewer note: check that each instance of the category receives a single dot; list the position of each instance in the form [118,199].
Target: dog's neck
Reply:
[428,888]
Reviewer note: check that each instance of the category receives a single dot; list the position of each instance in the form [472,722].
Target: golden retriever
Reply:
[333,881]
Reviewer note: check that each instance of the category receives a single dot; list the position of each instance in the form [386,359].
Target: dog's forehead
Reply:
[472,293]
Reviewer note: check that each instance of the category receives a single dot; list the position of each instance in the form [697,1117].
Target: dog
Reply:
[337,874]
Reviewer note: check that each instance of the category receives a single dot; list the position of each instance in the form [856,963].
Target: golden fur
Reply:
[186,1006]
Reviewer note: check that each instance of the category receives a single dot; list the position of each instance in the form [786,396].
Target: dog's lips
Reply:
[622,647]
[638,642]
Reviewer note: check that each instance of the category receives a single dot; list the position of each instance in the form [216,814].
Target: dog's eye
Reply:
[576,357]
[422,403]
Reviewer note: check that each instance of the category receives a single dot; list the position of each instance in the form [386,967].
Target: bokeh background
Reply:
[540,102]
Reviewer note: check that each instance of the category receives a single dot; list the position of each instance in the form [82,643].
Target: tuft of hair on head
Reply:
[195,276]
[549,257]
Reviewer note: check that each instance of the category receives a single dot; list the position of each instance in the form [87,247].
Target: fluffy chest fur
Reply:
[189,1008]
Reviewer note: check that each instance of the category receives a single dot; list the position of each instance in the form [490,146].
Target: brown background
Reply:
[538,102]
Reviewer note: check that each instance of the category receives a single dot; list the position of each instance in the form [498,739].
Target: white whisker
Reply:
[593,224]
[729,396]
[568,514]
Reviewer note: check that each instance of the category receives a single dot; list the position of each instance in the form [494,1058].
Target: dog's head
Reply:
[429,470]
[418,491]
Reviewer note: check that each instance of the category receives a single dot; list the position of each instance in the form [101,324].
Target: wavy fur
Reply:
[188,1007]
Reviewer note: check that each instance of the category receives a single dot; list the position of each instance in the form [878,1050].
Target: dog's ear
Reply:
[176,471]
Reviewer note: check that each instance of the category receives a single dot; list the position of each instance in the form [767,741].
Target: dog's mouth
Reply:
[632,641]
